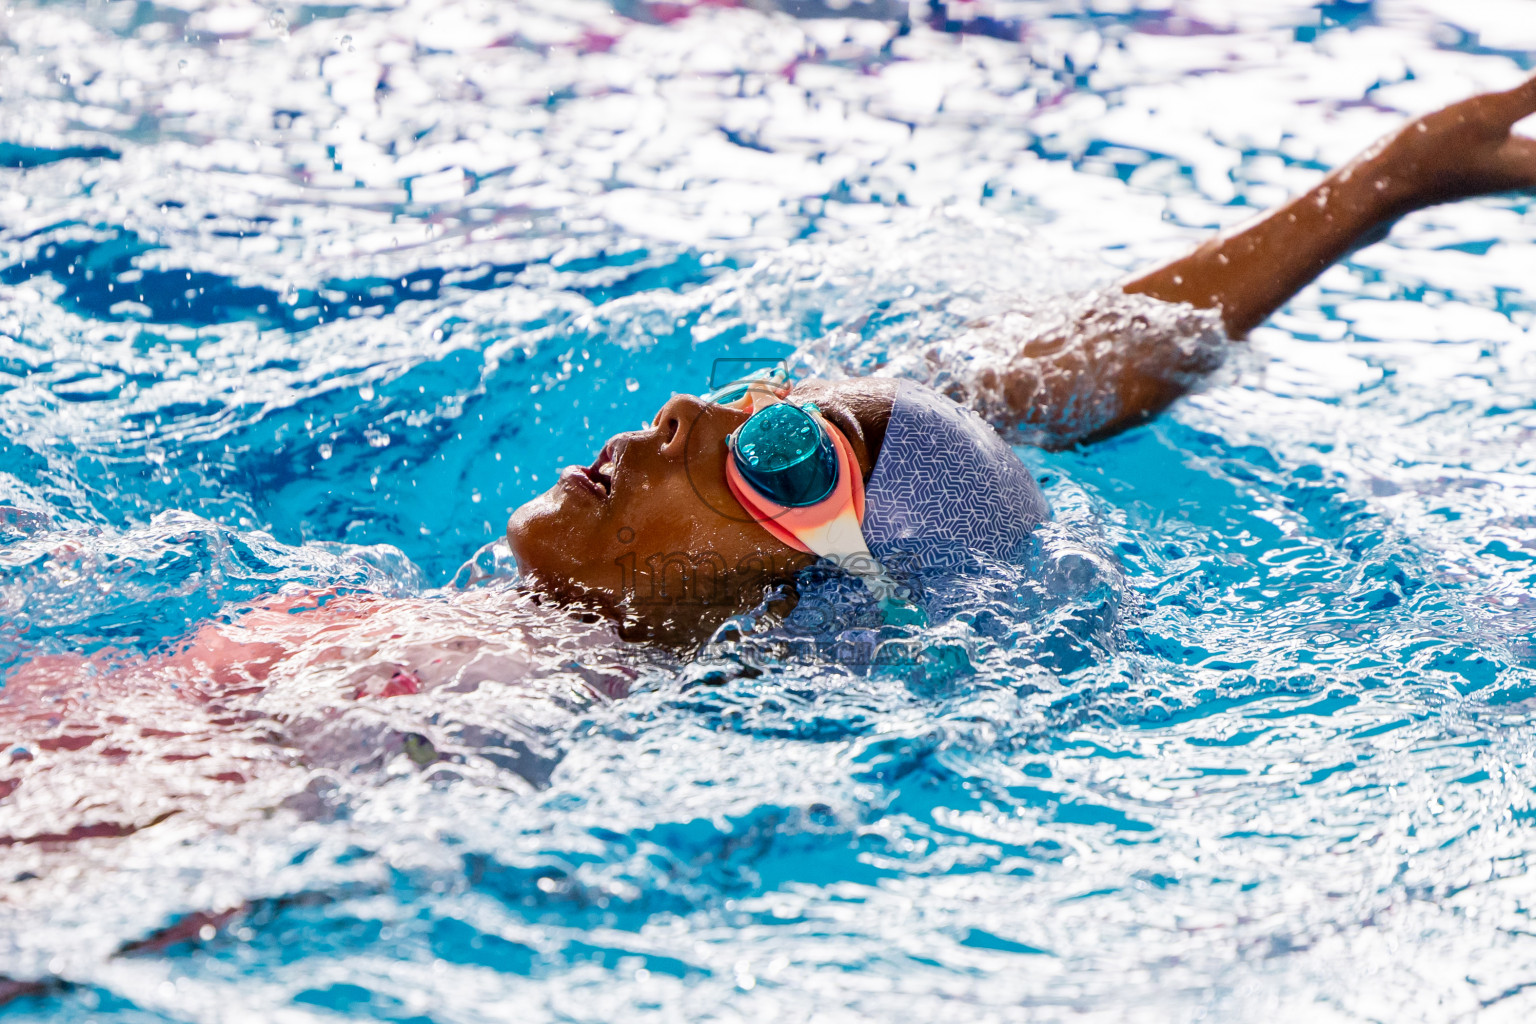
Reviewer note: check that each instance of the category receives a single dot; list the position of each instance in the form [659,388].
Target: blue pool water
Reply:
[315,295]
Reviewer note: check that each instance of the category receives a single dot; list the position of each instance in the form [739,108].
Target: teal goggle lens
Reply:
[786,455]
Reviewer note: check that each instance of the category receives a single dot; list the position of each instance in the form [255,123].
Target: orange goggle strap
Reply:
[815,529]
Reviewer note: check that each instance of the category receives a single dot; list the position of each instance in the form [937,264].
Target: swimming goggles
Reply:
[795,474]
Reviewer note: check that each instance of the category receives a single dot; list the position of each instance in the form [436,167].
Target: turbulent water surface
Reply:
[296,303]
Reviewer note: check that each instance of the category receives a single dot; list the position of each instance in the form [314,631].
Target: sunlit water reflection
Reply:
[308,298]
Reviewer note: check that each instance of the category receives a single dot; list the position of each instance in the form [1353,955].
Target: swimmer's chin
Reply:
[552,524]
[549,543]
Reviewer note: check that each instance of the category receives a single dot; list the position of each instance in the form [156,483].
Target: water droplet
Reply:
[325,451]
[63,77]
[631,385]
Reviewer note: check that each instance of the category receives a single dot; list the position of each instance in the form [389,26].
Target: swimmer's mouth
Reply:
[598,476]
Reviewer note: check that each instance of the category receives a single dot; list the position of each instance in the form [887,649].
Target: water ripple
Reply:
[296,304]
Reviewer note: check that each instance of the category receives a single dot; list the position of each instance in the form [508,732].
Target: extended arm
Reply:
[1117,359]
[1464,150]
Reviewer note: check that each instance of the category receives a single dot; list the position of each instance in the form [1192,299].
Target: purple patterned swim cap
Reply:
[946,488]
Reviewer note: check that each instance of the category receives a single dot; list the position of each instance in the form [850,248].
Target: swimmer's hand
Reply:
[1467,149]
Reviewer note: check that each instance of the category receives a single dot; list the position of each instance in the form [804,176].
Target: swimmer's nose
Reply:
[676,420]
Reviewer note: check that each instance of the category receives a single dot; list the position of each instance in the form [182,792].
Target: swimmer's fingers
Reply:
[1465,149]
[1485,117]
[1511,105]
[1510,164]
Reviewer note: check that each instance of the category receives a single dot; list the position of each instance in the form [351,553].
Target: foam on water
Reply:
[296,303]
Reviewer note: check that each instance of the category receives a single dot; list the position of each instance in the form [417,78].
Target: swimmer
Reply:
[732,493]
[673,529]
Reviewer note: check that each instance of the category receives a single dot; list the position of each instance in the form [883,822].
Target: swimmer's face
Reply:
[650,532]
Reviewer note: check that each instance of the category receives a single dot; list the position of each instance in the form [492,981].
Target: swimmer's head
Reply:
[654,532]
[651,533]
